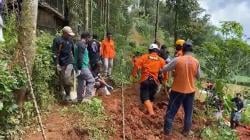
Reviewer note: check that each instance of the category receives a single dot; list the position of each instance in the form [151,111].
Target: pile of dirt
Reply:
[139,125]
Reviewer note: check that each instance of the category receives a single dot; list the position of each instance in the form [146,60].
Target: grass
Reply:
[93,119]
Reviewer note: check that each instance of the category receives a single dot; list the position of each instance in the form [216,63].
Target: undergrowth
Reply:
[92,118]
[218,132]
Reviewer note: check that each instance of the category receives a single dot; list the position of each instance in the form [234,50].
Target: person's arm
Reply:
[137,66]
[170,66]
[198,75]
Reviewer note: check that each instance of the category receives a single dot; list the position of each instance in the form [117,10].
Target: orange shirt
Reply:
[108,48]
[187,69]
[150,65]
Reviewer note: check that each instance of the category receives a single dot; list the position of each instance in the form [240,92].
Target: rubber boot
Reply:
[149,106]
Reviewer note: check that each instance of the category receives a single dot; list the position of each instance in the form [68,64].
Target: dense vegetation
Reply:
[223,53]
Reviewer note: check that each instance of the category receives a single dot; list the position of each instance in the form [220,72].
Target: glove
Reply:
[58,67]
[78,73]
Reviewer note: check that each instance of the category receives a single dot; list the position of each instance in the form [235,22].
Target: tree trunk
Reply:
[156,19]
[91,16]
[105,17]
[108,14]
[176,21]
[86,15]
[27,31]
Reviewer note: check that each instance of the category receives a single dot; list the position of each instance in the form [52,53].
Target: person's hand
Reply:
[58,67]
[78,73]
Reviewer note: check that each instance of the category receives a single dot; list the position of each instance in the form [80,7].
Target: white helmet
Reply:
[153,46]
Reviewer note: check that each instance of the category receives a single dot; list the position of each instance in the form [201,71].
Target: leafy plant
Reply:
[218,132]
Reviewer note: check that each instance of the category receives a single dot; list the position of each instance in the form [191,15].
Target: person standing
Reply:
[63,50]
[150,65]
[83,72]
[108,54]
[94,55]
[236,111]
[187,70]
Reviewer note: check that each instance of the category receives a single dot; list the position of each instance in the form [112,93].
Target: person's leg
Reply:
[111,61]
[188,109]
[145,96]
[68,79]
[80,87]
[90,82]
[106,66]
[174,104]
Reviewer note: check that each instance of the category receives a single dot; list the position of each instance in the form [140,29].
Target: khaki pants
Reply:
[66,78]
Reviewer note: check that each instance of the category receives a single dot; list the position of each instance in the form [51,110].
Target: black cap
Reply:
[188,47]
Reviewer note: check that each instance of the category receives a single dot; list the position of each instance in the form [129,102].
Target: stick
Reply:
[33,95]
[123,115]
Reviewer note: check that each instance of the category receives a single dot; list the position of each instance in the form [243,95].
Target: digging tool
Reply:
[73,93]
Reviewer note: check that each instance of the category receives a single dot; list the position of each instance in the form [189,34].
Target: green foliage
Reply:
[231,29]
[245,119]
[43,71]
[9,112]
[218,132]
[93,118]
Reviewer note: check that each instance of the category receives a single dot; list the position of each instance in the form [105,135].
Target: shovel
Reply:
[73,92]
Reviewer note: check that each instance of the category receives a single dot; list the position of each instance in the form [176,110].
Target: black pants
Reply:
[148,89]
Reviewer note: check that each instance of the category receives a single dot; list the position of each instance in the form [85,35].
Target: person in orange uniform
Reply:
[150,64]
[108,53]
[178,47]
[187,70]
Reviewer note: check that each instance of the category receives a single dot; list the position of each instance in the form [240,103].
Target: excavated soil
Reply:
[138,125]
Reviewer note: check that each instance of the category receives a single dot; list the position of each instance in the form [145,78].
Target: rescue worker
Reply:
[178,47]
[94,55]
[108,54]
[150,65]
[187,70]
[83,71]
[63,50]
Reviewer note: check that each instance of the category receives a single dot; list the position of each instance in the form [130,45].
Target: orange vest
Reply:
[108,48]
[150,65]
[186,70]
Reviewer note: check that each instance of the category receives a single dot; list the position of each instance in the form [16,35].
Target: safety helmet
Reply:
[153,46]
[179,42]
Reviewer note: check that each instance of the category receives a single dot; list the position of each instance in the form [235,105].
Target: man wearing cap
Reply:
[108,53]
[187,70]
[150,64]
[63,50]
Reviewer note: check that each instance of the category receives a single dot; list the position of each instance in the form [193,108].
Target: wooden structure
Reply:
[52,14]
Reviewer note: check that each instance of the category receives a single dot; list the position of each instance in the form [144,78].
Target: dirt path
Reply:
[139,126]
[58,126]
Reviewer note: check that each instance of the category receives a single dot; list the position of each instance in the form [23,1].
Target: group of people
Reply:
[86,56]
[185,69]
[82,60]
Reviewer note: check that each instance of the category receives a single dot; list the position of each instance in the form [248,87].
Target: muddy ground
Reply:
[138,125]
